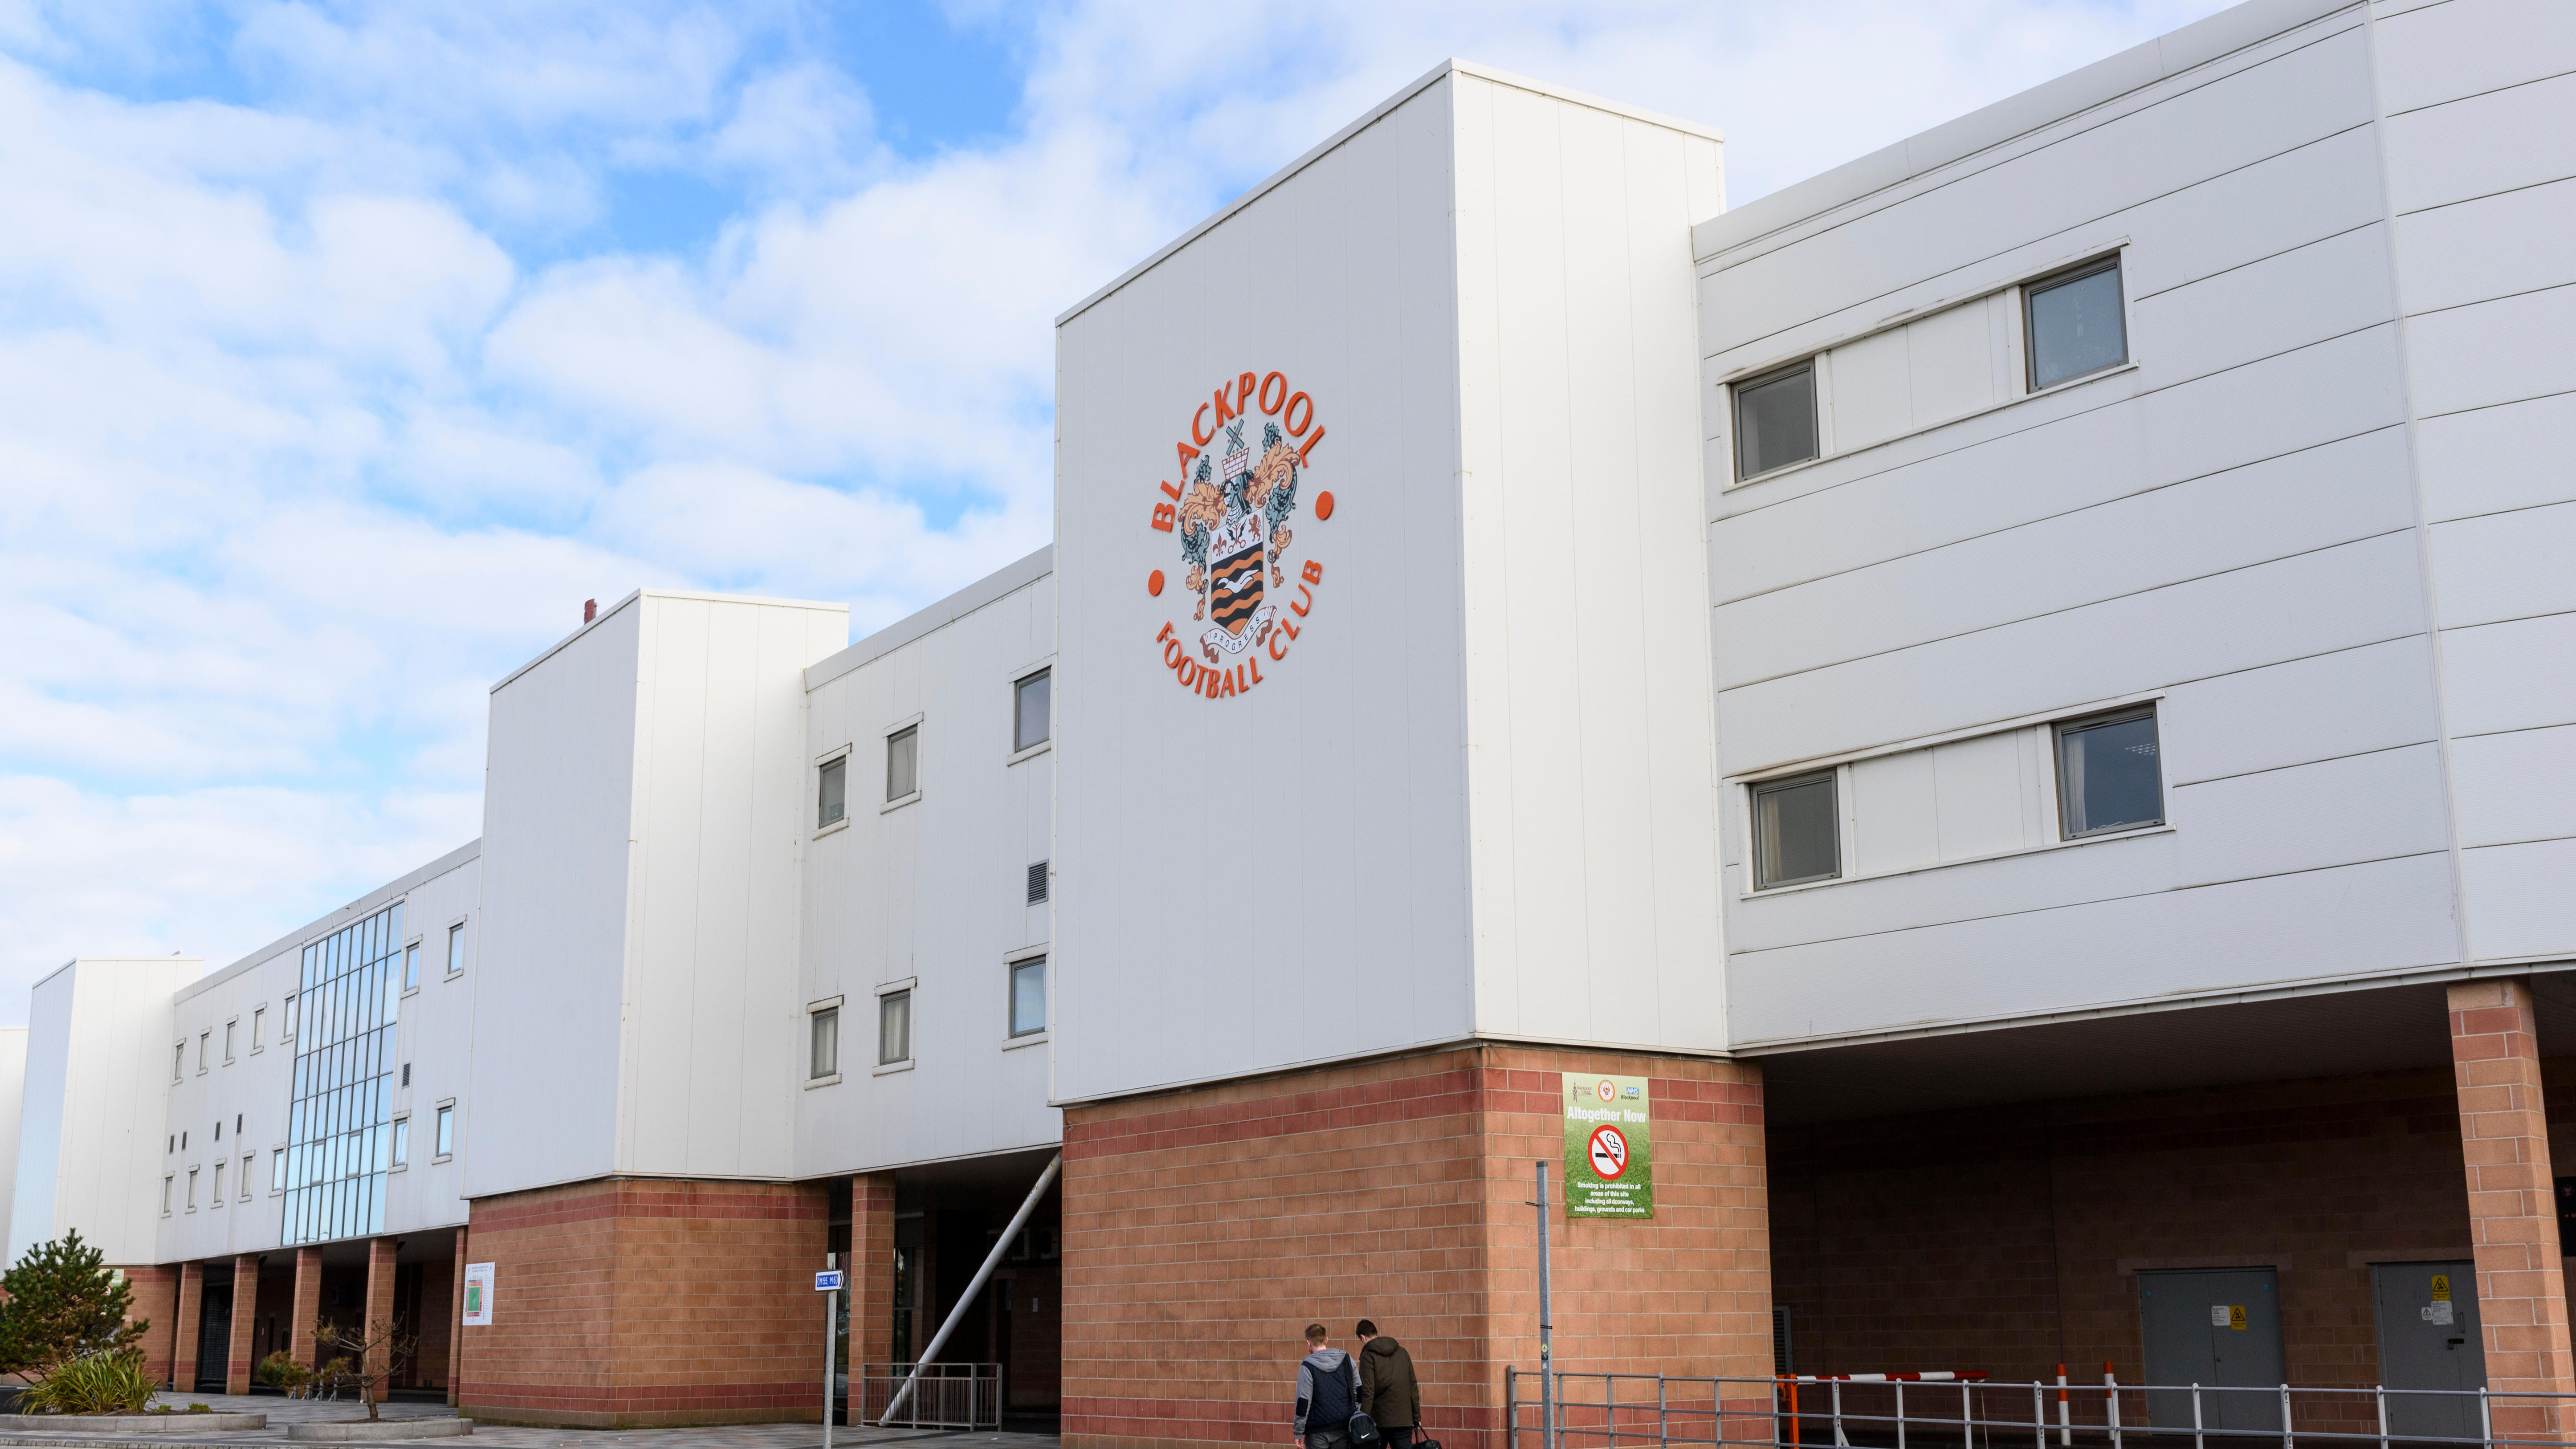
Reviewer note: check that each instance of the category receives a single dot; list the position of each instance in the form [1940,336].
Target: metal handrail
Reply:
[1617,1411]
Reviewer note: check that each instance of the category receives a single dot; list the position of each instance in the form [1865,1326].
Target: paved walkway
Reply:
[282,1412]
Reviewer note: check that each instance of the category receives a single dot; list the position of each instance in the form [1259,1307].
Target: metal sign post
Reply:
[828,1283]
[1546,1324]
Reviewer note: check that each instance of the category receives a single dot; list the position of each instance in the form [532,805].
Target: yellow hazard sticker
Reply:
[2441,1287]
[2236,1316]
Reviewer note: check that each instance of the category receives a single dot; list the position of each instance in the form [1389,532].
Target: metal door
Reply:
[2428,1339]
[2219,1328]
[214,1337]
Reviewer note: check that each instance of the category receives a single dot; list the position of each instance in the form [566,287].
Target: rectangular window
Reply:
[446,1139]
[178,1061]
[165,1195]
[894,1028]
[218,1198]
[247,1164]
[205,1041]
[288,1034]
[1797,832]
[402,1140]
[903,762]
[1028,997]
[832,795]
[1029,722]
[2108,777]
[277,1170]
[456,948]
[411,966]
[228,1039]
[2073,324]
[825,1058]
[192,1189]
[1775,420]
[259,1028]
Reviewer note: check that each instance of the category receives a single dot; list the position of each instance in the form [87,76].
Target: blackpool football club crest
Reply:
[1244,460]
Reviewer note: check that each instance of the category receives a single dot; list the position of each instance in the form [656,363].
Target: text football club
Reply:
[1231,515]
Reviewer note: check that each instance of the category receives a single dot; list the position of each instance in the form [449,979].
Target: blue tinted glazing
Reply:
[2076,328]
[342,1106]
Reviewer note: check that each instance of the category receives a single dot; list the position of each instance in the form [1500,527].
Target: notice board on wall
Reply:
[478,1295]
[1609,1147]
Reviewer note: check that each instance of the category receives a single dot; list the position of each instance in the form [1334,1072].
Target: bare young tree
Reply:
[366,1358]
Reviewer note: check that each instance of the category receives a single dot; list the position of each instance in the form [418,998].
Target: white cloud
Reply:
[313,421]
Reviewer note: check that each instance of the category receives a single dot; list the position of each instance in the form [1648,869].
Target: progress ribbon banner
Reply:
[1609,1148]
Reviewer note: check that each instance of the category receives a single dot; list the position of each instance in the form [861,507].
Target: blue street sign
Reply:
[827,1282]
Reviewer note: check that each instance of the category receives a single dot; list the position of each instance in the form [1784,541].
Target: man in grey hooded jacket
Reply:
[1328,1393]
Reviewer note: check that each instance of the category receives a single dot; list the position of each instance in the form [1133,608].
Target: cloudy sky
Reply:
[345,348]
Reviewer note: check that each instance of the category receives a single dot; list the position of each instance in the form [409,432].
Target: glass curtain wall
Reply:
[339,1131]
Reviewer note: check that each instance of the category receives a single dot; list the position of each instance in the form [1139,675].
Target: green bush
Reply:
[280,1371]
[98,1383]
[63,1303]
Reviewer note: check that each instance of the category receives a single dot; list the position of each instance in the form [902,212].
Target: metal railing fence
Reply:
[950,1395]
[1634,1411]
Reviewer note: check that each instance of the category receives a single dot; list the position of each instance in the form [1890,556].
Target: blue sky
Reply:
[345,348]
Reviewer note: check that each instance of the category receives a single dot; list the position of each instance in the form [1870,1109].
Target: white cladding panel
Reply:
[1236,871]
[2484,183]
[1474,791]
[13,1091]
[435,1035]
[1590,771]
[930,896]
[714,1023]
[99,1053]
[2225,527]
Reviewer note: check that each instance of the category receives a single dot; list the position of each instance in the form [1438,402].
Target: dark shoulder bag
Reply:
[1363,1429]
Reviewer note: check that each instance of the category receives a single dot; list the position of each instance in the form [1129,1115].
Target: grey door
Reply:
[214,1337]
[2428,1340]
[2219,1328]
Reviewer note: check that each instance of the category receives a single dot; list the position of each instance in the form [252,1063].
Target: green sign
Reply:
[1609,1148]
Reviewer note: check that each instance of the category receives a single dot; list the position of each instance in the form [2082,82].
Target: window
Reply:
[2107,774]
[2073,323]
[289,1033]
[411,966]
[192,1189]
[219,1130]
[178,1061]
[1028,996]
[247,1163]
[1029,711]
[903,762]
[826,1033]
[218,1198]
[228,1039]
[259,1028]
[277,1170]
[1796,831]
[237,1123]
[402,1140]
[205,1042]
[832,796]
[456,948]
[165,1194]
[894,1028]
[446,1139]
[340,1110]
[406,1081]
[1775,420]
[1037,882]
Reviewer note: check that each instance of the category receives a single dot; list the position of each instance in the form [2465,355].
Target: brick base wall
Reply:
[1203,1229]
[156,1301]
[633,1302]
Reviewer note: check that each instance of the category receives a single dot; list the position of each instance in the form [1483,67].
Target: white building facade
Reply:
[2049,639]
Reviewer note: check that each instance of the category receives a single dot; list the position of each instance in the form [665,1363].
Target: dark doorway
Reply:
[2219,1328]
[214,1337]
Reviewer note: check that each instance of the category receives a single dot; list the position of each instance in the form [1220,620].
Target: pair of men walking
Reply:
[1333,1385]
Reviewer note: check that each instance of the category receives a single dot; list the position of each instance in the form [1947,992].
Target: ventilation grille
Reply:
[1037,882]
[1783,1362]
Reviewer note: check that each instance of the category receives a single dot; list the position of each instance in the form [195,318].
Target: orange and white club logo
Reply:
[1230,515]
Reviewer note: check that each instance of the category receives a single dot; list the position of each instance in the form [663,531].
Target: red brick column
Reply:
[1226,1218]
[155,1302]
[183,1343]
[308,1305]
[871,1269]
[380,1299]
[455,1321]
[2513,1214]
[237,1362]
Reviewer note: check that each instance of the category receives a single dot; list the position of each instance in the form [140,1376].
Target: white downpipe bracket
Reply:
[992,1260]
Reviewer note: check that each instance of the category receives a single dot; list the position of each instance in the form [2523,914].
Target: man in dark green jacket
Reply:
[1388,1394]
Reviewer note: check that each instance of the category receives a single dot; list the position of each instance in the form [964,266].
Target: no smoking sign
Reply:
[1609,1146]
[1609,1151]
